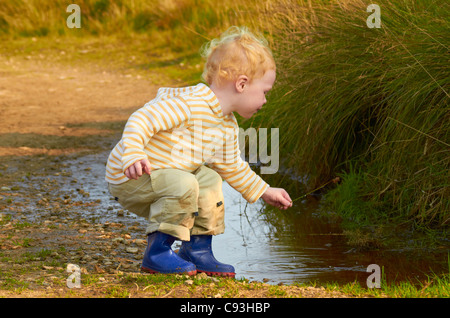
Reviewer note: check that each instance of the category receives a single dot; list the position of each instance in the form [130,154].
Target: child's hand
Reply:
[138,169]
[277,197]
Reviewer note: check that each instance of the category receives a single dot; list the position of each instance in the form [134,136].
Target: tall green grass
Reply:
[373,99]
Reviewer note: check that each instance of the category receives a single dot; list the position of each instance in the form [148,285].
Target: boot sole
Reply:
[151,271]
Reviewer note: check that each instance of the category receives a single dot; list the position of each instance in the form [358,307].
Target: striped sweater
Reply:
[184,128]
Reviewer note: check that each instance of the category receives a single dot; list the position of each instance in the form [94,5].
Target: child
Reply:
[175,150]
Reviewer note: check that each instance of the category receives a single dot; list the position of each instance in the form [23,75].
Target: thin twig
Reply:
[334,180]
[248,220]
[168,293]
[195,32]
[421,132]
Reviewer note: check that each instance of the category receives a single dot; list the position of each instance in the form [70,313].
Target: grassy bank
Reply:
[368,104]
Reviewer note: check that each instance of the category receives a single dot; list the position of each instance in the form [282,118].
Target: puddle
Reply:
[301,247]
[297,246]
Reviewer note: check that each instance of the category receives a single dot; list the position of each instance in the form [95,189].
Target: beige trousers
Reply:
[176,202]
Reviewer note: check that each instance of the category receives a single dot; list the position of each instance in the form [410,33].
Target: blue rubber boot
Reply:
[160,258]
[199,251]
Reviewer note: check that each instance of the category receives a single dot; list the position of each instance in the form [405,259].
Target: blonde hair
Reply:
[237,52]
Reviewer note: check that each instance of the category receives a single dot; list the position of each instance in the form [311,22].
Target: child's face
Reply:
[253,96]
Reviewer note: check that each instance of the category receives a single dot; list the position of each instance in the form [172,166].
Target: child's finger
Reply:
[132,172]
[285,202]
[146,166]
[138,169]
[286,196]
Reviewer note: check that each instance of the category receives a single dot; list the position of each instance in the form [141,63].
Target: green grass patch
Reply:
[433,287]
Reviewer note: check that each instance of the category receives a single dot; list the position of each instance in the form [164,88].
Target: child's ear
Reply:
[241,82]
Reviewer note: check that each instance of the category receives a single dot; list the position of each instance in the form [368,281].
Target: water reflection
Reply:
[295,250]
[299,246]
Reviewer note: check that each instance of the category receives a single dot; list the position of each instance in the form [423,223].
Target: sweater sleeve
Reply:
[146,122]
[237,172]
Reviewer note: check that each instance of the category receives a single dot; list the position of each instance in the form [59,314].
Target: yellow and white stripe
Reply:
[184,128]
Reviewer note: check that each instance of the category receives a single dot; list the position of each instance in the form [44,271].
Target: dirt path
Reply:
[48,185]
[40,98]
